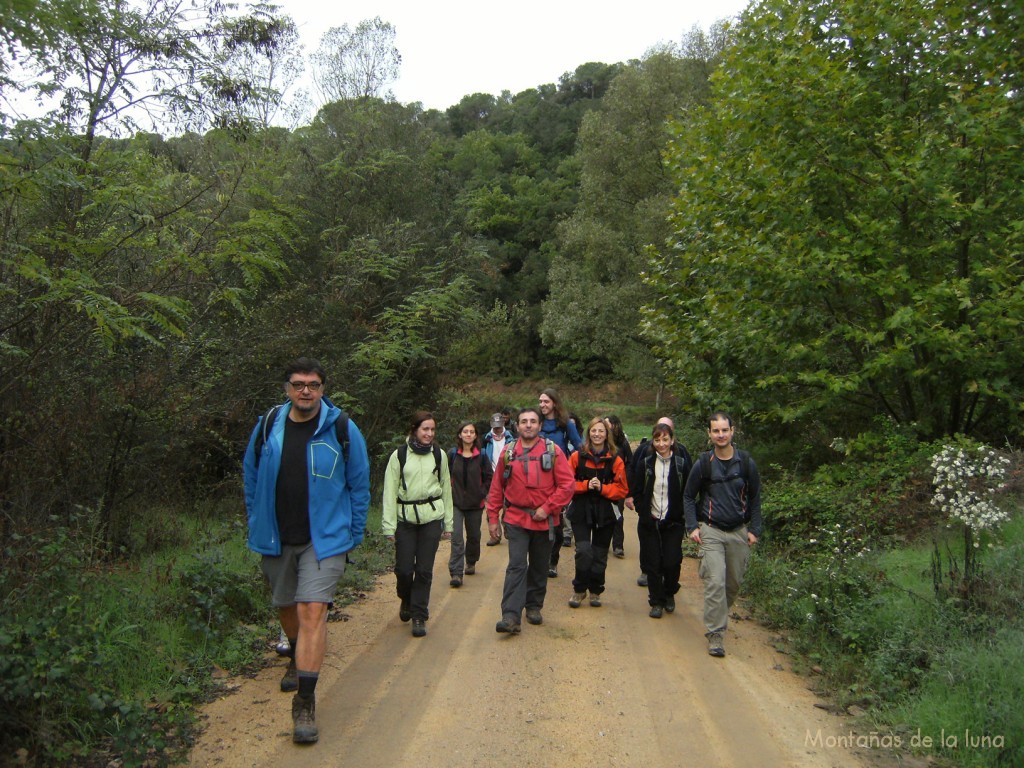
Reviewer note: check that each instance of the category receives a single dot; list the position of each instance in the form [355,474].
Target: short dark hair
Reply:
[719,416]
[529,409]
[305,365]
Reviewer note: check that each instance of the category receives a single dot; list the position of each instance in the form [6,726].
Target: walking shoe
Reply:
[567,541]
[283,647]
[533,616]
[595,600]
[290,681]
[619,552]
[494,541]
[715,647]
[419,628]
[456,581]
[304,729]
[552,572]
[642,580]
[655,612]
[470,569]
[404,612]
[509,626]
[577,599]
[670,604]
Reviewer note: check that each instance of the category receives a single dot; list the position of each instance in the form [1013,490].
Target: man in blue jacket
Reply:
[307,493]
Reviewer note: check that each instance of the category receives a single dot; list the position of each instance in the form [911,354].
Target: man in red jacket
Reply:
[533,482]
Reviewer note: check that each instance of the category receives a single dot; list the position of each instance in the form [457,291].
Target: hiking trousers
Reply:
[415,550]
[661,558]
[526,577]
[724,556]
[465,540]
[591,556]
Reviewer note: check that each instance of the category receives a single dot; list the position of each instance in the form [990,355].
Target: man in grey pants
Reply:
[722,506]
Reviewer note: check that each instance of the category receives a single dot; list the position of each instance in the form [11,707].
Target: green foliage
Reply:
[590,316]
[113,661]
[971,693]
[848,219]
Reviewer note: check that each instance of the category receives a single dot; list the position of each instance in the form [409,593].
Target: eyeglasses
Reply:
[312,386]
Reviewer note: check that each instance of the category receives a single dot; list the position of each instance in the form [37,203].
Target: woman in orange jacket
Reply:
[600,475]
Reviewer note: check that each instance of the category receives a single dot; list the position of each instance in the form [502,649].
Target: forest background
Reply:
[811,215]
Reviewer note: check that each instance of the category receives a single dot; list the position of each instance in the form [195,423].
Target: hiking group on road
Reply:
[539,484]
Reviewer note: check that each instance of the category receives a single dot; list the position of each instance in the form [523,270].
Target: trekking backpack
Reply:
[267,423]
[680,458]
[704,462]
[606,473]
[549,448]
[403,455]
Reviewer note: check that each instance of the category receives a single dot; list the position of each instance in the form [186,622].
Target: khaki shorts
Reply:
[296,576]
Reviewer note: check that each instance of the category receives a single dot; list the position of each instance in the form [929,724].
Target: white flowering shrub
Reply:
[967,480]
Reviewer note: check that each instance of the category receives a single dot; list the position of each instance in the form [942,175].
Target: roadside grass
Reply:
[885,624]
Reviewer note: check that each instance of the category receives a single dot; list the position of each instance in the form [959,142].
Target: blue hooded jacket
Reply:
[339,490]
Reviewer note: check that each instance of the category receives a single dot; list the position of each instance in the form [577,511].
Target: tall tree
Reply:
[357,63]
[110,249]
[848,228]
[625,194]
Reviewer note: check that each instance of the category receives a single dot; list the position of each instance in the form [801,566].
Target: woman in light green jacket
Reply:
[417,510]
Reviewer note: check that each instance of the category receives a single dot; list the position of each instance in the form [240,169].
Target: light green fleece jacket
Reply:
[421,483]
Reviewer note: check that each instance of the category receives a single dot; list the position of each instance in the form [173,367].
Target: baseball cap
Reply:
[497,420]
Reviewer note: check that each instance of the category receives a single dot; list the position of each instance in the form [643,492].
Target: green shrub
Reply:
[973,694]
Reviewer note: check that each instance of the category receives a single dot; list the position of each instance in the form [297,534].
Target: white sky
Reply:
[452,48]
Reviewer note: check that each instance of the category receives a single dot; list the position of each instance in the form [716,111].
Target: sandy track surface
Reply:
[590,687]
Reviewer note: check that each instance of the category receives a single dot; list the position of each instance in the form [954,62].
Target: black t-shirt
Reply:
[293,482]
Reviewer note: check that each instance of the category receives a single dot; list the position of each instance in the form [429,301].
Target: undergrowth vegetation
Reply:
[904,615]
[110,660]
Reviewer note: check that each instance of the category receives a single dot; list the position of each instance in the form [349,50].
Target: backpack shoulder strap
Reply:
[510,451]
[341,432]
[403,454]
[437,460]
[266,424]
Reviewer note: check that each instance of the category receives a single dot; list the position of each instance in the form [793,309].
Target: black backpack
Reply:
[403,455]
[704,463]
[267,423]
[680,458]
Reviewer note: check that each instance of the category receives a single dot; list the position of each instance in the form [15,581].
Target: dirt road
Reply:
[590,687]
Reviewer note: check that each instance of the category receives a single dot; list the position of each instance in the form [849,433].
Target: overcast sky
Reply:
[451,48]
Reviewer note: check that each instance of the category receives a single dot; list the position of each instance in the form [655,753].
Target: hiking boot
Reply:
[619,552]
[533,616]
[642,580]
[508,625]
[470,569]
[552,572]
[290,681]
[567,541]
[655,612]
[670,604]
[577,599]
[404,612]
[715,647]
[456,581]
[304,720]
[419,628]
[595,600]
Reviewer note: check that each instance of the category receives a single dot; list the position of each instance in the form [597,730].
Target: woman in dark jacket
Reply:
[600,477]
[656,486]
[618,438]
[471,480]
